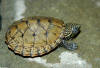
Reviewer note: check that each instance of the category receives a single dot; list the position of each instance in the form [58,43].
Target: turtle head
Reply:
[71,30]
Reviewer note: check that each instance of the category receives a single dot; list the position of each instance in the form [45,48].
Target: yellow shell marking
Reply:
[34,36]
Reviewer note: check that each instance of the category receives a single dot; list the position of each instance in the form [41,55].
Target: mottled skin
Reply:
[36,36]
[70,32]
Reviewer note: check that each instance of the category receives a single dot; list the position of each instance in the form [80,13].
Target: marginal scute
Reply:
[35,36]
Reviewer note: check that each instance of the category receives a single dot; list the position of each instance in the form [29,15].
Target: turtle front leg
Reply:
[70,46]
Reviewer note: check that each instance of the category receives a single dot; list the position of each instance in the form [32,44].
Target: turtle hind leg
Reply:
[70,46]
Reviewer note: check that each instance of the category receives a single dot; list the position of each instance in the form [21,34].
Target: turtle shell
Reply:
[35,36]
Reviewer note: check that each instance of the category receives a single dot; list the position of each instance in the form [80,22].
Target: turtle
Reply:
[39,35]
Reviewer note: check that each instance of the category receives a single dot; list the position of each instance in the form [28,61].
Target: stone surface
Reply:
[84,12]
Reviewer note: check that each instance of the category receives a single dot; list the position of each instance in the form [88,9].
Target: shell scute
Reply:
[35,36]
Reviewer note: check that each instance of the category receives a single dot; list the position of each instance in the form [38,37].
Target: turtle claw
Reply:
[70,46]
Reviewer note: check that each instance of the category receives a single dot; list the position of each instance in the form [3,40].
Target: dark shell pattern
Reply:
[35,36]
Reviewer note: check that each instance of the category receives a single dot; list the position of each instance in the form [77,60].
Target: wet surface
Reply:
[84,12]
